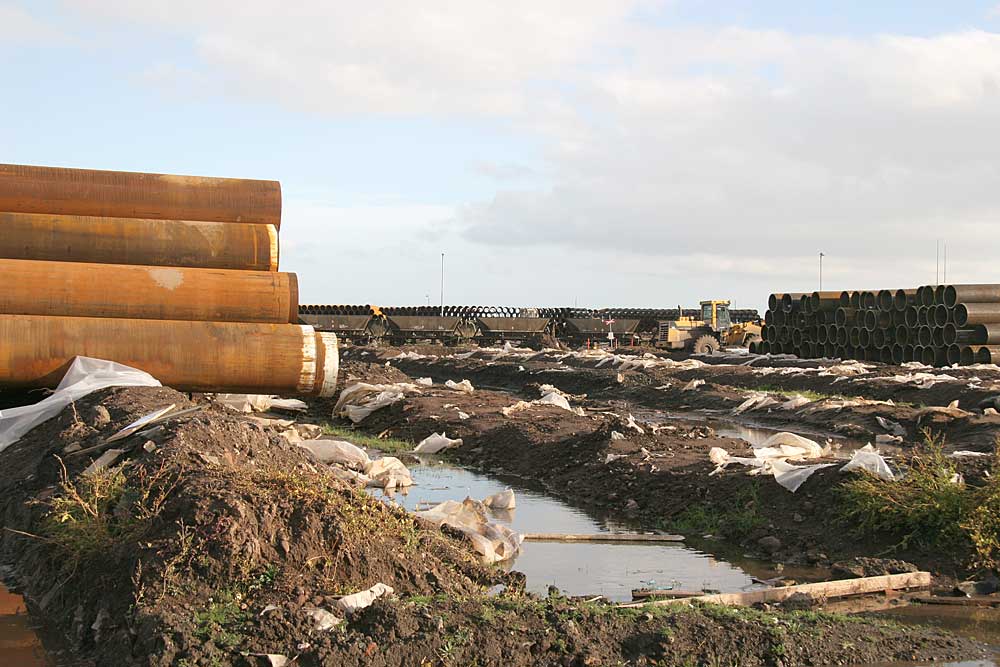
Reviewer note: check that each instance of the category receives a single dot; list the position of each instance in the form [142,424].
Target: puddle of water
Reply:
[608,569]
[19,645]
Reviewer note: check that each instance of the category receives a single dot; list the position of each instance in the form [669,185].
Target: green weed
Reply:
[386,445]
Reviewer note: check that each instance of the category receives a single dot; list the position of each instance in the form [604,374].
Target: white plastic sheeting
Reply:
[360,400]
[340,452]
[773,456]
[436,442]
[869,459]
[357,601]
[464,386]
[388,473]
[245,402]
[502,500]
[494,542]
[84,376]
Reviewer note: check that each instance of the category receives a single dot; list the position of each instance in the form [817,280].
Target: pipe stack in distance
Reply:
[934,324]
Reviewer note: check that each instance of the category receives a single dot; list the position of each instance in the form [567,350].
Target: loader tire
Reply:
[705,345]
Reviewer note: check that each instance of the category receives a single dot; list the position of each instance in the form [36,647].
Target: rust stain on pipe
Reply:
[185,243]
[189,356]
[146,292]
[120,194]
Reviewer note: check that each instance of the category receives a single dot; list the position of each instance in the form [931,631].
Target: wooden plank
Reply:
[664,593]
[600,537]
[974,601]
[824,589]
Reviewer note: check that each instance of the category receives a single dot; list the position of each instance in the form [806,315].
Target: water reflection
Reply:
[608,569]
[19,645]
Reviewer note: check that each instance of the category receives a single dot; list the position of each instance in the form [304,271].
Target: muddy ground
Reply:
[215,540]
[663,480]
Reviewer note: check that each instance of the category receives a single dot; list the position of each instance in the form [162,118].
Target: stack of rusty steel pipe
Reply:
[174,275]
[938,325]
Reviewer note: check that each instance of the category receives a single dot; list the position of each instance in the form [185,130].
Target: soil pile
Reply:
[216,542]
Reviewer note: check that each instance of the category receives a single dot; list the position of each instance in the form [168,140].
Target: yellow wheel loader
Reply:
[709,334]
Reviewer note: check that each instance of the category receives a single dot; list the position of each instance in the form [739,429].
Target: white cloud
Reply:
[719,158]
[17,25]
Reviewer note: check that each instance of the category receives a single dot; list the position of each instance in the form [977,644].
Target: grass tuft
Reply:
[929,507]
[386,445]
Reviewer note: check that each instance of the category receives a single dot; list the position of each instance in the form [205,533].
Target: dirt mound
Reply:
[175,554]
[219,543]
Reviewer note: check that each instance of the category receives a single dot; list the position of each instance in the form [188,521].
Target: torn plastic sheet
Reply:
[424,382]
[503,500]
[635,427]
[464,386]
[360,400]
[340,452]
[692,385]
[754,402]
[553,398]
[494,542]
[615,435]
[891,426]
[84,376]
[794,403]
[358,601]
[790,476]
[325,621]
[245,402]
[869,459]
[388,473]
[435,443]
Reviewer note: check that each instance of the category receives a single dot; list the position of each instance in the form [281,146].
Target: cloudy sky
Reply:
[599,152]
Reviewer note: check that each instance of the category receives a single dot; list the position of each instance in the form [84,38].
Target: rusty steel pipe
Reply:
[939,295]
[927,355]
[74,238]
[897,354]
[898,318]
[912,317]
[923,315]
[120,194]
[967,355]
[978,334]
[864,337]
[885,355]
[790,302]
[845,299]
[774,301]
[987,354]
[878,338]
[884,299]
[967,314]
[904,298]
[925,295]
[854,336]
[843,340]
[846,316]
[937,335]
[147,292]
[954,354]
[868,300]
[902,335]
[955,294]
[908,352]
[925,336]
[189,356]
[823,301]
[829,350]
[942,314]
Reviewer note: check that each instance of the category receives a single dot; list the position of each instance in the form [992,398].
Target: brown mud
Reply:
[662,480]
[216,541]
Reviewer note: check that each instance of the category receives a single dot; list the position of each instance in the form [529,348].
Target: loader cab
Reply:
[715,314]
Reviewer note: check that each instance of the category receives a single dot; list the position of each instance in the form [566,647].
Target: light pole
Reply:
[821,256]
[442,284]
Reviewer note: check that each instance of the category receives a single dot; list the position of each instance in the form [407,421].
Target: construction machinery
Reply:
[709,333]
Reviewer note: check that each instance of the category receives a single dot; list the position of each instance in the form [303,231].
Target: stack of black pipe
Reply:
[933,324]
